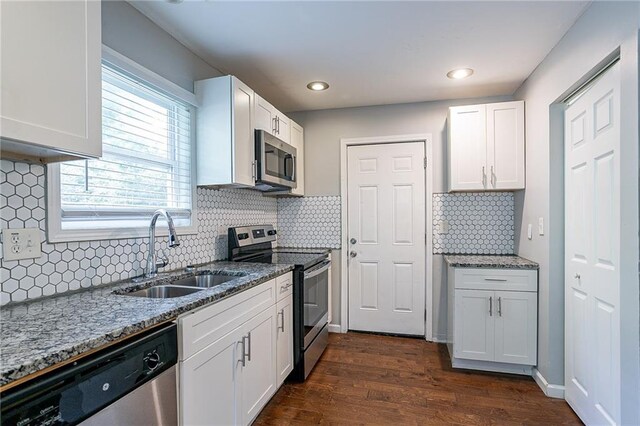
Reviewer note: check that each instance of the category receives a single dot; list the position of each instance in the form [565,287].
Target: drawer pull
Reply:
[285,287]
[499,306]
[500,280]
[491,306]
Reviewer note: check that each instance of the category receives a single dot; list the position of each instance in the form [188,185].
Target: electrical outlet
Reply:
[20,244]
[540,226]
[529,231]
[443,227]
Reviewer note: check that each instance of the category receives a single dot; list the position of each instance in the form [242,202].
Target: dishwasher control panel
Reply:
[75,392]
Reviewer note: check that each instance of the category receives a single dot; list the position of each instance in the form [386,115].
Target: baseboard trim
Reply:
[335,328]
[439,339]
[552,391]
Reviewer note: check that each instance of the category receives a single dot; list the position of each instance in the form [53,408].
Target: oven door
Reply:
[316,300]
[276,161]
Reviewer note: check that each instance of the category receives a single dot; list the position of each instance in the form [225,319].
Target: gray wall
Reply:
[604,27]
[322,133]
[132,34]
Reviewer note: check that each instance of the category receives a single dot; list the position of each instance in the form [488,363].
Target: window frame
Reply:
[56,234]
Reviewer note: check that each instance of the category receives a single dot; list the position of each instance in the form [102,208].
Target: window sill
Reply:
[75,235]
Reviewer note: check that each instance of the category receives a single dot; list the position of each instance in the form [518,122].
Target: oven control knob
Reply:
[152,360]
[272,232]
[243,236]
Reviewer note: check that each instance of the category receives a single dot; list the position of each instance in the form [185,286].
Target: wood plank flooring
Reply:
[371,379]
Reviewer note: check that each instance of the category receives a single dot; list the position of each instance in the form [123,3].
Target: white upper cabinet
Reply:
[297,140]
[486,147]
[467,148]
[225,132]
[505,145]
[268,118]
[51,80]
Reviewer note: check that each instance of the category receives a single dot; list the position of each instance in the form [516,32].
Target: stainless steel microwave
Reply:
[275,163]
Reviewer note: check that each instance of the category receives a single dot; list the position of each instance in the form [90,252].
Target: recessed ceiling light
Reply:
[318,86]
[459,73]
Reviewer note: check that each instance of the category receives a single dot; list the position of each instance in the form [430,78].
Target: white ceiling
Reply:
[371,53]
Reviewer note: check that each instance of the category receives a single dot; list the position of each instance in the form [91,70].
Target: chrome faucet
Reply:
[152,261]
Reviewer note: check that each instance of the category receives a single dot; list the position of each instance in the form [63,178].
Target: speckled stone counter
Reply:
[38,334]
[486,261]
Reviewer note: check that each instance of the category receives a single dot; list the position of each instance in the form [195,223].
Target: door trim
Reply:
[344,276]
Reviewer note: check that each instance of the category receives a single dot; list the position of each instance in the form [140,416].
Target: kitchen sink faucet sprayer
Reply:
[152,262]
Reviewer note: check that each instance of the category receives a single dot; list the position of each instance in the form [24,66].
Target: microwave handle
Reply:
[295,168]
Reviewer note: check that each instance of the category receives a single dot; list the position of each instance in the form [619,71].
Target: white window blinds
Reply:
[146,162]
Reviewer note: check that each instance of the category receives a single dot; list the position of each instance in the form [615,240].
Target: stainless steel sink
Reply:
[206,280]
[164,292]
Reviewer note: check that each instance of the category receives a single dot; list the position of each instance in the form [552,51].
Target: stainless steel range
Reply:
[310,289]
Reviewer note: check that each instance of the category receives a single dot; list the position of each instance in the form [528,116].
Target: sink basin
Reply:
[164,292]
[207,280]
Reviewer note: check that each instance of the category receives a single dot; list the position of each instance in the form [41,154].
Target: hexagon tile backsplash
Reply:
[71,266]
[479,223]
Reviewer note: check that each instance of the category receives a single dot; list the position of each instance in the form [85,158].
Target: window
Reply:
[146,165]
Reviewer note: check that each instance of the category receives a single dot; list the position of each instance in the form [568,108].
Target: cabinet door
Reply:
[284,341]
[50,56]
[474,315]
[208,391]
[297,140]
[283,127]
[467,148]
[265,115]
[516,323]
[505,145]
[258,375]
[243,135]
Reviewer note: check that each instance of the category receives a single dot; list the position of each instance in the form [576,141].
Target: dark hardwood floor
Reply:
[371,379]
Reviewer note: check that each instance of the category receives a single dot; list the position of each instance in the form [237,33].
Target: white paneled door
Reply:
[386,231]
[592,241]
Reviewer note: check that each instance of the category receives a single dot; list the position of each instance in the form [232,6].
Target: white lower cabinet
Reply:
[232,358]
[284,340]
[493,319]
[258,364]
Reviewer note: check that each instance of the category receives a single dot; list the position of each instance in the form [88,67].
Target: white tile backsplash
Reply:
[309,222]
[479,223]
[71,266]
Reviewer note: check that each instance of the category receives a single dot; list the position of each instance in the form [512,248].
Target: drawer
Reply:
[496,279]
[200,328]
[284,285]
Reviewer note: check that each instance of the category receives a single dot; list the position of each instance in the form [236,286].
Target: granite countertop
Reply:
[488,261]
[47,331]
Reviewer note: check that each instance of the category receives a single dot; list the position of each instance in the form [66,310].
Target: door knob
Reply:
[353,254]
[577,276]
[353,241]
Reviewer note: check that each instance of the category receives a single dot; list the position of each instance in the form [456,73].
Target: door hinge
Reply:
[425,314]
[425,163]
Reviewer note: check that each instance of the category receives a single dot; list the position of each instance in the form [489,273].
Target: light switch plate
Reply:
[443,227]
[530,231]
[20,244]
[540,226]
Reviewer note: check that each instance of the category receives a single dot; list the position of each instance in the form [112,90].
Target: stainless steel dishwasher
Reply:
[133,383]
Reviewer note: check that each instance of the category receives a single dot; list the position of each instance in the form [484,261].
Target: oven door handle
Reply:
[315,272]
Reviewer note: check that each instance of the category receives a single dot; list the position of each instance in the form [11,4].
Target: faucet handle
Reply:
[163,259]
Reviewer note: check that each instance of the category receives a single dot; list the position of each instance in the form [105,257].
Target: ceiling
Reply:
[371,53]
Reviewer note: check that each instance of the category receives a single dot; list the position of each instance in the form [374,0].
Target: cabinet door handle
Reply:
[278,125]
[490,306]
[244,351]
[484,178]
[285,287]
[282,324]
[493,178]
[249,351]
[500,306]
[273,126]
